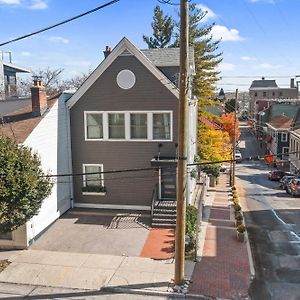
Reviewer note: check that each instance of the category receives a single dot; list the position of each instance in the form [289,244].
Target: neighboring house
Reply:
[294,147]
[278,137]
[262,91]
[8,78]
[41,125]
[213,125]
[125,116]
[289,109]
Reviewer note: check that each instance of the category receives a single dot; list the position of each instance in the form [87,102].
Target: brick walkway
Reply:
[159,244]
[224,269]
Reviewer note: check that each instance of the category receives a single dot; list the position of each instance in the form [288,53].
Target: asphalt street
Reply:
[273,223]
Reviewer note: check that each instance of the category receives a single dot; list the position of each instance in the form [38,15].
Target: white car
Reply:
[238,156]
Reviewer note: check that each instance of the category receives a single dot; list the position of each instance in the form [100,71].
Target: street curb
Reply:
[122,290]
[250,257]
[203,297]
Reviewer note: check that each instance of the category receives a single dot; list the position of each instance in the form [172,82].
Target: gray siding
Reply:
[172,73]
[147,94]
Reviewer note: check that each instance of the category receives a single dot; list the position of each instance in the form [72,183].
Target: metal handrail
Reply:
[154,198]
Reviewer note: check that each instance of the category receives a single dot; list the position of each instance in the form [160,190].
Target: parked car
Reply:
[238,156]
[293,187]
[276,175]
[223,168]
[285,180]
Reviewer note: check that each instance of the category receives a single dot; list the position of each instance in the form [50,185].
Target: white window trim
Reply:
[85,125]
[284,134]
[127,125]
[84,177]
[284,153]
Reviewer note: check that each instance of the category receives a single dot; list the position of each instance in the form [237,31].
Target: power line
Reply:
[170,166]
[60,23]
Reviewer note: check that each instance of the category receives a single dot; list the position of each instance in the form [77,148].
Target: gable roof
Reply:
[14,68]
[263,84]
[210,123]
[123,46]
[282,122]
[19,124]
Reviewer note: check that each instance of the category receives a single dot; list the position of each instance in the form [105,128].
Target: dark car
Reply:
[276,175]
[293,187]
[285,180]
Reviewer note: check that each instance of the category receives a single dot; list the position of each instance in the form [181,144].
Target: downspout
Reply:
[71,191]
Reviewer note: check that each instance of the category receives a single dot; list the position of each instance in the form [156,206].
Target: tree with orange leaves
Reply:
[228,125]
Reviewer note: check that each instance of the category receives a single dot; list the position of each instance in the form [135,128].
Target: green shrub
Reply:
[238,216]
[241,228]
[237,207]
[190,228]
[94,189]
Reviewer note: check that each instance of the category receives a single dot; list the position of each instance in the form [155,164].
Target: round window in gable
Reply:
[126,79]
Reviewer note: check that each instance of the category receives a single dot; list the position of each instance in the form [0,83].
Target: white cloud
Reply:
[267,66]
[226,67]
[25,53]
[16,2]
[268,1]
[58,39]
[247,58]
[38,4]
[209,15]
[226,34]
[78,63]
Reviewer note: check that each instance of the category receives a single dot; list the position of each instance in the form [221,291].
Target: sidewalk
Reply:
[90,272]
[224,269]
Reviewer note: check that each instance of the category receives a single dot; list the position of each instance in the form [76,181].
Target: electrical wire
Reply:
[60,23]
[173,166]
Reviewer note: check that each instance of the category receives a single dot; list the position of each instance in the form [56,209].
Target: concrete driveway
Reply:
[93,231]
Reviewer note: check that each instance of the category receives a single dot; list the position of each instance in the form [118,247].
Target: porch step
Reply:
[164,214]
[165,204]
[163,220]
[163,225]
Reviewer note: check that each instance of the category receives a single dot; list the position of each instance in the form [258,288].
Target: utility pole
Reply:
[182,146]
[234,139]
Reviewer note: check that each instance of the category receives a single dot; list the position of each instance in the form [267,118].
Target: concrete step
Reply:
[163,220]
[163,225]
[164,211]
[164,216]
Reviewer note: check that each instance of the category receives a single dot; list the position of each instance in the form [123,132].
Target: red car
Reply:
[276,175]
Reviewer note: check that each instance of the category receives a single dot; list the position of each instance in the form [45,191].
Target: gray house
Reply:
[8,77]
[125,116]
[278,138]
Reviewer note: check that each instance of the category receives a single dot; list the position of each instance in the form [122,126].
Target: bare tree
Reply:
[52,81]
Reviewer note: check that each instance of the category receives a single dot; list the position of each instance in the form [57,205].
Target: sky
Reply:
[258,37]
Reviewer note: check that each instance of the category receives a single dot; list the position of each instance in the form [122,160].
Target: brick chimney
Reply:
[38,97]
[107,51]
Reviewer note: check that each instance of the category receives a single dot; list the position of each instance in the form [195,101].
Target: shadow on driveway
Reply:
[96,232]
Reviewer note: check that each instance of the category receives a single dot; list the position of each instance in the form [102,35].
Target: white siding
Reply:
[50,139]
[2,86]
[191,146]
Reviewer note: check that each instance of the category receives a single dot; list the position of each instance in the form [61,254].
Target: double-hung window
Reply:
[138,126]
[284,137]
[161,126]
[93,179]
[116,126]
[94,126]
[128,125]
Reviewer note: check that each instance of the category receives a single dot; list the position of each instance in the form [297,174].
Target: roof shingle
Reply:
[281,121]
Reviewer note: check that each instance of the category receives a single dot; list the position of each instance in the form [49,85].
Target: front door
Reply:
[168,183]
